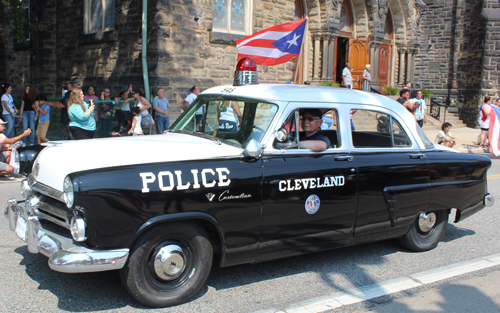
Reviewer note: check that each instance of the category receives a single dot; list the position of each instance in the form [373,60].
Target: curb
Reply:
[360,294]
[474,150]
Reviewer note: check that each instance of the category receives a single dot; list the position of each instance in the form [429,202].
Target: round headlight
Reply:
[78,228]
[68,192]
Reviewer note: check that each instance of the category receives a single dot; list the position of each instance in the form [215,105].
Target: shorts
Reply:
[42,128]
[485,129]
[3,165]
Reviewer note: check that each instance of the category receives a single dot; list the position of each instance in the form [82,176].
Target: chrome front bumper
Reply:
[65,255]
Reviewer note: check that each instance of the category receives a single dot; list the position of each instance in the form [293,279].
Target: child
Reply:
[44,117]
[136,128]
[444,136]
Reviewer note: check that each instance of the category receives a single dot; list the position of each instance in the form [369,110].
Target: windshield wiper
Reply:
[197,134]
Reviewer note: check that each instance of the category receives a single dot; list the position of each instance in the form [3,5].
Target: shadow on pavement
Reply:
[453,232]
[86,292]
[456,298]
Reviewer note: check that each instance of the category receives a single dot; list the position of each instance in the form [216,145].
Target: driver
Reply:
[310,121]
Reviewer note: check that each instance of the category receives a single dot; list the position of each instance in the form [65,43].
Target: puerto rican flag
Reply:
[494,134]
[274,45]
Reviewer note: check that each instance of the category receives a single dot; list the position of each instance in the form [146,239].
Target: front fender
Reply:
[207,221]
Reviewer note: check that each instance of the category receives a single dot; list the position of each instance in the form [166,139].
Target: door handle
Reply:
[347,158]
[418,156]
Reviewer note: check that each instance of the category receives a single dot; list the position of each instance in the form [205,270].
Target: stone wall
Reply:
[17,60]
[111,59]
[458,57]
[491,58]
[184,52]
[3,79]
[432,61]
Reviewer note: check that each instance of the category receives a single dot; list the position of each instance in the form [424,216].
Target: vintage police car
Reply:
[158,208]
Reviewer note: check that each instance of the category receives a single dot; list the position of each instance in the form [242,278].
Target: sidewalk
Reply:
[466,139]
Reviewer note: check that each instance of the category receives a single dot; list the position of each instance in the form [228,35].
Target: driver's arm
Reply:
[313,145]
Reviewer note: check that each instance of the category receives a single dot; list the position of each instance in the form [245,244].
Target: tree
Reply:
[22,23]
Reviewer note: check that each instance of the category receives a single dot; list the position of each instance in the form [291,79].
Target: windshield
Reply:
[427,143]
[233,120]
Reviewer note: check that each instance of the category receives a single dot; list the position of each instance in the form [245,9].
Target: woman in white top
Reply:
[9,110]
[444,136]
[484,120]
[141,102]
[229,116]
[195,91]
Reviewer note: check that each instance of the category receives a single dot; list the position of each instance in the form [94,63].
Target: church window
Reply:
[346,18]
[231,16]
[99,16]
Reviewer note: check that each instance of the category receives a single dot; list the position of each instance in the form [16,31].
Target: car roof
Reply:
[306,93]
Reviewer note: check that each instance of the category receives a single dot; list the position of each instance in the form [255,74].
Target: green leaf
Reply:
[21,23]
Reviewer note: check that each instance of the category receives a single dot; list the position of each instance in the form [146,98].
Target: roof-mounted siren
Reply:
[246,73]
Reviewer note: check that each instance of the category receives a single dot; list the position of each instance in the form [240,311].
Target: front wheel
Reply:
[168,265]
[425,233]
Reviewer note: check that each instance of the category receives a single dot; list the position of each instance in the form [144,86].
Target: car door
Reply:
[309,198]
[393,174]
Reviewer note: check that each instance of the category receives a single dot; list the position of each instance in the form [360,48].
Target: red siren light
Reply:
[246,73]
[246,64]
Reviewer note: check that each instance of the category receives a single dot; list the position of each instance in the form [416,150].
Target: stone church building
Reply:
[449,46]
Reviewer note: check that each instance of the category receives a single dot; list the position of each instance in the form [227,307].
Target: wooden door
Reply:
[359,56]
[383,64]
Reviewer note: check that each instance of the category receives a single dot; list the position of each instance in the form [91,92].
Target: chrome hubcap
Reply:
[426,221]
[169,262]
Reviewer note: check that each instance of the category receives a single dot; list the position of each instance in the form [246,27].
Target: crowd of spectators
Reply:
[86,113]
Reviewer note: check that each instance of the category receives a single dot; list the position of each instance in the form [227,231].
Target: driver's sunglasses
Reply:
[309,118]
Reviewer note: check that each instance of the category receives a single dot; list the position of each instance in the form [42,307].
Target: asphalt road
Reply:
[28,285]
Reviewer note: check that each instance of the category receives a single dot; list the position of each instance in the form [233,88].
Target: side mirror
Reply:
[281,135]
[252,149]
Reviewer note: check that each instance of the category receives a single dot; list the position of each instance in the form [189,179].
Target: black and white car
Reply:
[159,207]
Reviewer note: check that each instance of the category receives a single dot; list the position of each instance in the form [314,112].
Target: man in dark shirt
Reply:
[310,121]
[63,104]
[404,95]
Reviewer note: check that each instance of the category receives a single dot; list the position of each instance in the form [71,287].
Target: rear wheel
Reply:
[425,233]
[168,265]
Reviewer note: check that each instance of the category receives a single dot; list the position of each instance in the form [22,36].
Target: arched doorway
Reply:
[341,53]
[349,48]
[385,52]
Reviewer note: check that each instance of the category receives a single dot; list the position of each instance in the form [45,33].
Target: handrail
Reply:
[375,90]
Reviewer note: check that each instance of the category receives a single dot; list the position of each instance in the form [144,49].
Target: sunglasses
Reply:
[309,118]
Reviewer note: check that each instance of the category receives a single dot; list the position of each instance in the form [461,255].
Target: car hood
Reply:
[61,158]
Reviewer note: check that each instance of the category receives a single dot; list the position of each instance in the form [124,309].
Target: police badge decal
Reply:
[312,204]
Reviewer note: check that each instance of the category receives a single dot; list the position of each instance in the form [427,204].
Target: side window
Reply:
[322,125]
[232,16]
[99,16]
[371,129]
[400,138]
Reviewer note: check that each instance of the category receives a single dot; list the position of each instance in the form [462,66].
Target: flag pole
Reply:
[300,52]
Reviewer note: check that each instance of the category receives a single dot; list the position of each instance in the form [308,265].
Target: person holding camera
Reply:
[6,152]
[82,123]
[419,106]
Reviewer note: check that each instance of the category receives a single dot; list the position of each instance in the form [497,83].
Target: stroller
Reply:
[123,131]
